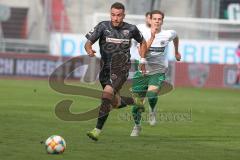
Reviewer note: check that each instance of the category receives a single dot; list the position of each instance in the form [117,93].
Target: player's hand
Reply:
[91,53]
[143,68]
[153,32]
[178,56]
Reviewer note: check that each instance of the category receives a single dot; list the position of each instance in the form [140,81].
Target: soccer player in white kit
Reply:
[156,63]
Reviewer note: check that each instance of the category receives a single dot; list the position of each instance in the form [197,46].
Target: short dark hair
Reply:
[118,5]
[157,12]
[147,13]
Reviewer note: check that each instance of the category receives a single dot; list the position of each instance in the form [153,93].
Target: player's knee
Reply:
[134,109]
[138,109]
[152,95]
[107,93]
[138,100]
[116,101]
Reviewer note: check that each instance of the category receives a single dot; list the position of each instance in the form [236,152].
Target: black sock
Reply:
[126,101]
[103,112]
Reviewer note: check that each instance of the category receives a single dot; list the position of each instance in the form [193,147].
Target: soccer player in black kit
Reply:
[114,40]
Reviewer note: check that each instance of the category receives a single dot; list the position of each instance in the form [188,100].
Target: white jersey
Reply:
[143,28]
[157,59]
[134,48]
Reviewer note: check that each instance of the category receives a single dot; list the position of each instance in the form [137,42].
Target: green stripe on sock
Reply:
[152,99]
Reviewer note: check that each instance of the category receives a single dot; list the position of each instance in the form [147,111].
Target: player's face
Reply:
[157,20]
[117,16]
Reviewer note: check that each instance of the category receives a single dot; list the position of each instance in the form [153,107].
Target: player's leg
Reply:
[105,107]
[112,80]
[155,83]
[152,96]
[119,101]
[137,110]
[103,112]
[139,88]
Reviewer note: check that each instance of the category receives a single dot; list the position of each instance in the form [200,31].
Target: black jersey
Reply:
[114,40]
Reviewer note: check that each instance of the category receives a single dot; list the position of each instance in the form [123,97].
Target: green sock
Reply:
[136,115]
[152,99]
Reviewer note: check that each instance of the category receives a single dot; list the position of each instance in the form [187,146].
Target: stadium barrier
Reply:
[180,74]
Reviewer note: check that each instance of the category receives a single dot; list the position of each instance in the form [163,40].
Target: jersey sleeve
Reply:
[137,35]
[172,34]
[95,33]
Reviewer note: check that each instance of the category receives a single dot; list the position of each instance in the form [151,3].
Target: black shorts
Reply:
[116,80]
[116,72]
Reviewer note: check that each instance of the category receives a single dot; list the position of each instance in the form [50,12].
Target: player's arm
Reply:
[151,39]
[176,43]
[142,52]
[88,48]
[137,35]
[143,49]
[92,36]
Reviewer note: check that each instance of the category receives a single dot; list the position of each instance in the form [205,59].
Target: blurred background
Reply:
[38,35]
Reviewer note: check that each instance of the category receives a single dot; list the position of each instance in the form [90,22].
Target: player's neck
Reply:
[159,30]
[117,27]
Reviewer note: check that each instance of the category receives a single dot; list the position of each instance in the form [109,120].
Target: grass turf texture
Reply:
[27,117]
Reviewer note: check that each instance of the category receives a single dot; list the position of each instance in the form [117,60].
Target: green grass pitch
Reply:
[209,130]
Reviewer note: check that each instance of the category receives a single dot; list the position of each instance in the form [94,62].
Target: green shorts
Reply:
[140,83]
